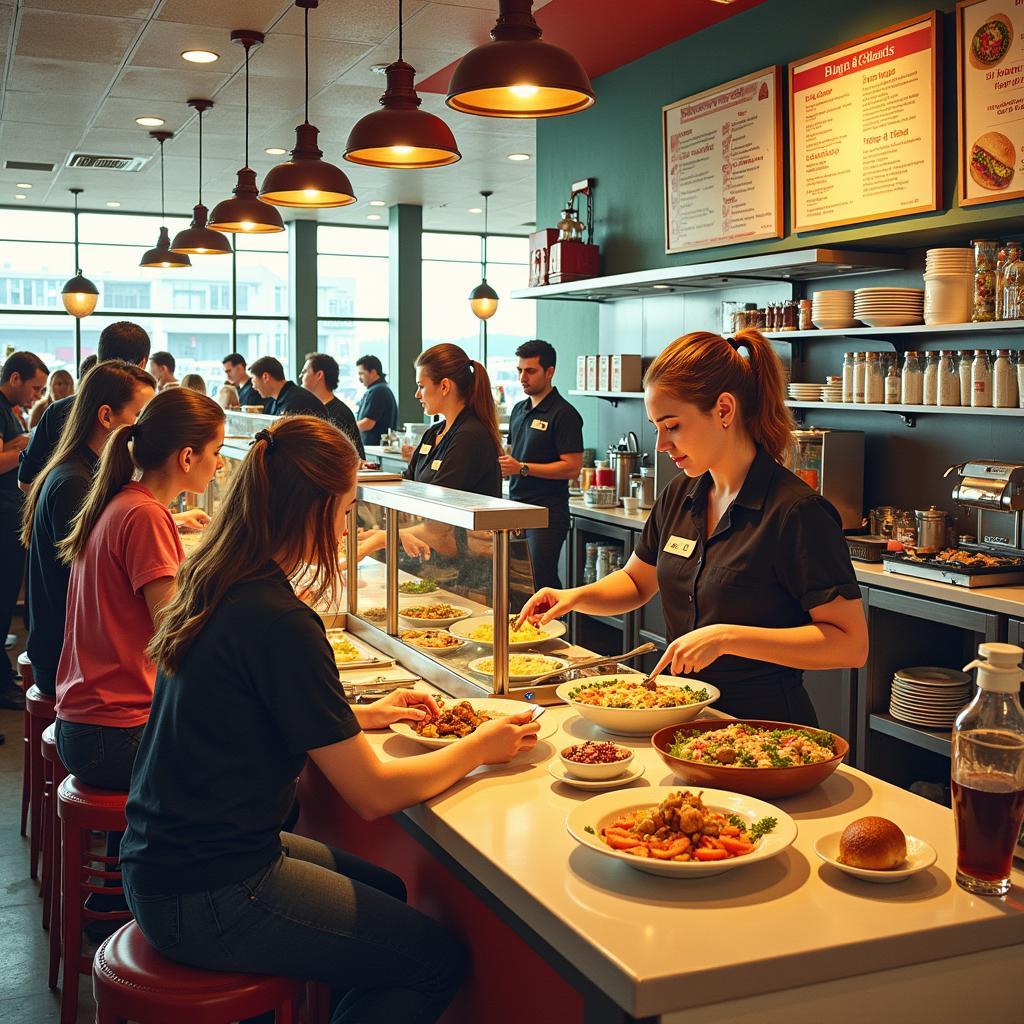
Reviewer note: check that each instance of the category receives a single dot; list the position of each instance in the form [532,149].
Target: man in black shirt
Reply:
[236,373]
[378,410]
[22,380]
[281,396]
[320,377]
[121,340]
[546,437]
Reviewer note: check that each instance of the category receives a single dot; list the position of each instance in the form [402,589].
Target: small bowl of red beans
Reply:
[596,760]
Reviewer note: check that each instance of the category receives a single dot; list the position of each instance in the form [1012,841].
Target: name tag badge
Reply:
[539,424]
[424,449]
[435,465]
[681,546]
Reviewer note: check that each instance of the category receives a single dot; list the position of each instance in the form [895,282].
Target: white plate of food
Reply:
[558,771]
[432,641]
[433,615]
[734,831]
[876,850]
[350,652]
[521,667]
[480,630]
[460,718]
[619,704]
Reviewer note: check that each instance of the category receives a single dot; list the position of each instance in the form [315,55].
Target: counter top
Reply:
[1002,600]
[615,515]
[377,451]
[653,945]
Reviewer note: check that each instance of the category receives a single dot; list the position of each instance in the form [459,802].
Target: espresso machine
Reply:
[995,491]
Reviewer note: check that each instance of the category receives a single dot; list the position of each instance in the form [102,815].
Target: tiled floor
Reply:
[24,997]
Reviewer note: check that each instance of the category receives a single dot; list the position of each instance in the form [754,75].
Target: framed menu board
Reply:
[722,159]
[990,100]
[864,128]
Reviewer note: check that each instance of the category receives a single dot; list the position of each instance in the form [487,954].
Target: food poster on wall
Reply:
[722,155]
[864,130]
[990,73]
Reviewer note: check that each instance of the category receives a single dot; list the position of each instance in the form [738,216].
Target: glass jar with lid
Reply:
[1003,258]
[848,360]
[981,380]
[893,382]
[930,387]
[859,366]
[949,379]
[964,365]
[874,381]
[1012,305]
[986,254]
[1004,381]
[913,379]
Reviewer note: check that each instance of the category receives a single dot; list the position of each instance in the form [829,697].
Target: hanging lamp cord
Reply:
[305,36]
[163,212]
[400,35]
[200,158]
[486,199]
[246,104]
[78,269]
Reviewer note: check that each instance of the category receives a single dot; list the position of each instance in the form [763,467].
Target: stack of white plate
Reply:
[889,307]
[833,390]
[948,286]
[805,392]
[931,697]
[832,310]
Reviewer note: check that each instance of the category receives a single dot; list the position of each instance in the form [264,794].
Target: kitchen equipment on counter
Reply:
[600,497]
[996,491]
[988,571]
[625,458]
[867,548]
[642,486]
[934,526]
[832,463]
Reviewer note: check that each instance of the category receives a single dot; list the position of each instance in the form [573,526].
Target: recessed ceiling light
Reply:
[373,216]
[377,202]
[22,184]
[519,156]
[149,122]
[275,151]
[475,209]
[112,204]
[200,56]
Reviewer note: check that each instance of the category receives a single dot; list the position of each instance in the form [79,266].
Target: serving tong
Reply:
[594,663]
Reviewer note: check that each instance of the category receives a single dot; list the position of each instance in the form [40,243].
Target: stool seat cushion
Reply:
[49,746]
[90,807]
[40,704]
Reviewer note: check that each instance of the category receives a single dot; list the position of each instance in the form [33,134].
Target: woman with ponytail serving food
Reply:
[754,574]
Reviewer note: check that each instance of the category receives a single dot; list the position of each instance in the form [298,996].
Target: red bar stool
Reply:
[54,774]
[25,668]
[131,981]
[40,712]
[83,810]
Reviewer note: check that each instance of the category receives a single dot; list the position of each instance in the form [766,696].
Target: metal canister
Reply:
[932,528]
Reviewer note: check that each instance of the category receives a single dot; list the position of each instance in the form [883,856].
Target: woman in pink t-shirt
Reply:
[124,554]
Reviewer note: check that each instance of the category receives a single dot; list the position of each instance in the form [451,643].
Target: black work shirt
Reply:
[59,501]
[10,428]
[341,416]
[777,552]
[215,774]
[293,400]
[543,433]
[44,440]
[465,458]
[248,395]
[377,404]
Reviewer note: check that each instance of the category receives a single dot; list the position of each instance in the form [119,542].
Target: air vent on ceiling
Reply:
[27,165]
[106,163]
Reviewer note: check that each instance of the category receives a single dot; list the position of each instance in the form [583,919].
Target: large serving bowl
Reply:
[764,783]
[636,721]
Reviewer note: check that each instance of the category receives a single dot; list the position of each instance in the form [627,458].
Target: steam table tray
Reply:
[1009,571]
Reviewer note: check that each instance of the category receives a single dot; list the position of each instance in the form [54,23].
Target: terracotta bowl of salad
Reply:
[752,756]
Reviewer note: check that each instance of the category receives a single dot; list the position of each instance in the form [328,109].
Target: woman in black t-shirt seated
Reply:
[247,687]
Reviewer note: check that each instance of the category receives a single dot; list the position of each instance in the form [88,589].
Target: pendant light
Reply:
[245,213]
[400,134]
[483,299]
[198,238]
[161,256]
[79,295]
[517,74]
[307,180]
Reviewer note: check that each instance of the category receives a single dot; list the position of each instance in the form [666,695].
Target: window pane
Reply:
[33,273]
[513,323]
[437,246]
[125,229]
[43,226]
[52,338]
[275,241]
[265,338]
[352,286]
[262,283]
[501,249]
[447,316]
[347,341]
[352,241]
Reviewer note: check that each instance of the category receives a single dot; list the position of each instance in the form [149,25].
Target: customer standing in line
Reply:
[378,411]
[282,397]
[22,379]
[236,373]
[545,434]
[248,689]
[161,366]
[319,376]
[124,553]
[110,397]
[60,385]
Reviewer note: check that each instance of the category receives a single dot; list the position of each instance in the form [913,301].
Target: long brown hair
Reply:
[699,367]
[175,419]
[282,506]
[114,384]
[470,380]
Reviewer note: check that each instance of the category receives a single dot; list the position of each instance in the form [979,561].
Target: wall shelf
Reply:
[609,396]
[908,413]
[923,331]
[936,740]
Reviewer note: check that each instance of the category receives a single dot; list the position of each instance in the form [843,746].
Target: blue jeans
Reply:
[99,755]
[317,914]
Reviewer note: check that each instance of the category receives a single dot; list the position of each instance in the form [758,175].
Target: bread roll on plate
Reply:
[877,844]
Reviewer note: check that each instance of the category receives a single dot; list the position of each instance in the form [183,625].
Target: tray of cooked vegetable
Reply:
[422,586]
[623,704]
[521,667]
[459,719]
[433,641]
[480,630]
[436,616]
[349,652]
[681,833]
[757,757]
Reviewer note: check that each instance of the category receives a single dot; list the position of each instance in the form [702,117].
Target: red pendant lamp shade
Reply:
[160,256]
[518,74]
[197,238]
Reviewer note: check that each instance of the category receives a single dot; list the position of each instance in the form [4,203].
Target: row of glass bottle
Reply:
[998,281]
[945,378]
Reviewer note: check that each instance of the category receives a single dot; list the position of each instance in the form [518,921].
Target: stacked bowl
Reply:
[889,307]
[948,286]
[832,310]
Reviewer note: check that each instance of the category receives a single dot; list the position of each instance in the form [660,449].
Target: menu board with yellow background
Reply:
[990,72]
[864,128]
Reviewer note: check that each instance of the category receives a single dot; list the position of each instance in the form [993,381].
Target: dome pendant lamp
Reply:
[400,134]
[198,239]
[79,295]
[517,74]
[307,181]
[483,299]
[245,213]
[160,257]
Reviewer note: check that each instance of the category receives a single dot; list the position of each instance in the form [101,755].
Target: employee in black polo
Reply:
[545,434]
[282,397]
[754,574]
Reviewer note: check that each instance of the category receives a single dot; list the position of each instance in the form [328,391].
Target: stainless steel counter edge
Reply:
[615,516]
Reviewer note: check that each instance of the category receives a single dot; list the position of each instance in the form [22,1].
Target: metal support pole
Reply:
[352,561]
[391,565]
[499,587]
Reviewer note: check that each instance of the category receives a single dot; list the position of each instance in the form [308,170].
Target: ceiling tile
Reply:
[49,108]
[163,42]
[175,86]
[365,20]
[229,14]
[138,9]
[118,112]
[439,27]
[264,93]
[120,143]
[425,61]
[40,75]
[81,37]
[281,57]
